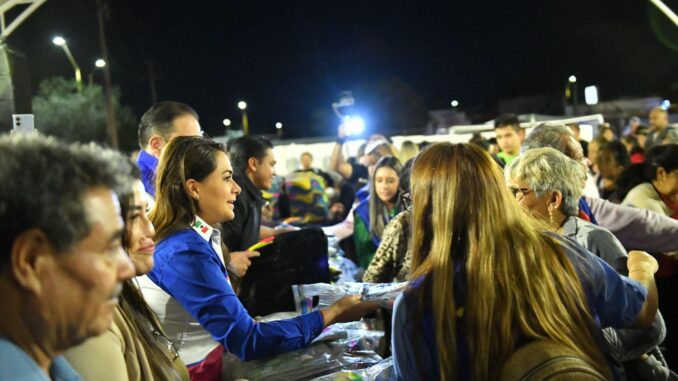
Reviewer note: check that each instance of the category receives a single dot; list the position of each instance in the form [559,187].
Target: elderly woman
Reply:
[549,184]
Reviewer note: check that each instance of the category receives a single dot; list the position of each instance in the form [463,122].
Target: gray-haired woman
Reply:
[549,185]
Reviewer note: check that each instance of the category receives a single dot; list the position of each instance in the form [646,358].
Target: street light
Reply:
[245,125]
[278,125]
[454,103]
[60,41]
[99,64]
[227,122]
[571,92]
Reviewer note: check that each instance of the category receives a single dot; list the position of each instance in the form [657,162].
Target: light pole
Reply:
[245,125]
[278,127]
[572,82]
[227,124]
[98,64]
[111,124]
[60,41]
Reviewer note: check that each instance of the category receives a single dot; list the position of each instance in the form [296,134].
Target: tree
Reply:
[60,110]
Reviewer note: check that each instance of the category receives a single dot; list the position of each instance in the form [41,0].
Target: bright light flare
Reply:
[572,79]
[58,41]
[242,105]
[100,63]
[454,103]
[227,122]
[354,125]
[278,125]
[591,95]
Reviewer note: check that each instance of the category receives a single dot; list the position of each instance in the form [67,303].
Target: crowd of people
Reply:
[545,249]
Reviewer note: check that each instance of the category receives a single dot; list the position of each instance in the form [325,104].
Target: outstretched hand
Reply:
[348,308]
[240,262]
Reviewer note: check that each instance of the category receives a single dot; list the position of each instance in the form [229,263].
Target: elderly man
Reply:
[61,257]
[636,229]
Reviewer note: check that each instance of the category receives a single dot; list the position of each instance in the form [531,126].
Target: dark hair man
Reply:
[253,169]
[509,136]
[159,124]
[61,259]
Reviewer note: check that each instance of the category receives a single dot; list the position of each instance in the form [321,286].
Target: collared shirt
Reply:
[598,241]
[209,234]
[15,364]
[243,231]
[193,275]
[148,164]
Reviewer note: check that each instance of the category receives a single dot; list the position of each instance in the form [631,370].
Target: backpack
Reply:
[541,360]
[297,257]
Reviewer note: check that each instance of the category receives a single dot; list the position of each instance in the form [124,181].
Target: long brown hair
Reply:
[518,281]
[136,312]
[185,157]
[378,210]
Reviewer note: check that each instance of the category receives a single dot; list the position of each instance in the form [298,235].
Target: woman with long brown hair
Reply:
[486,279]
[189,287]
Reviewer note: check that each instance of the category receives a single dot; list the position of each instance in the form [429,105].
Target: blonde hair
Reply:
[408,150]
[518,281]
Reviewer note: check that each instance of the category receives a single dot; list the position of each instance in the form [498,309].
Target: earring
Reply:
[551,216]
[197,197]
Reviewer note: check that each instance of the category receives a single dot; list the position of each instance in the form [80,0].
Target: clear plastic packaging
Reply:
[383,293]
[382,371]
[352,350]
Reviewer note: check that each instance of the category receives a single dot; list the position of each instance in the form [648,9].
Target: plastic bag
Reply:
[382,371]
[353,352]
[383,293]
[347,269]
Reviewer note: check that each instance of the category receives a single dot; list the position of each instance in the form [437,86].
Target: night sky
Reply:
[290,59]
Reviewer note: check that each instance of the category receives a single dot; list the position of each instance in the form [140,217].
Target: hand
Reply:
[341,131]
[240,262]
[282,228]
[641,261]
[348,308]
[267,212]
[337,209]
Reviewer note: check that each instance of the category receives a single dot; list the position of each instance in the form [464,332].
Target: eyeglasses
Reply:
[406,200]
[523,191]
